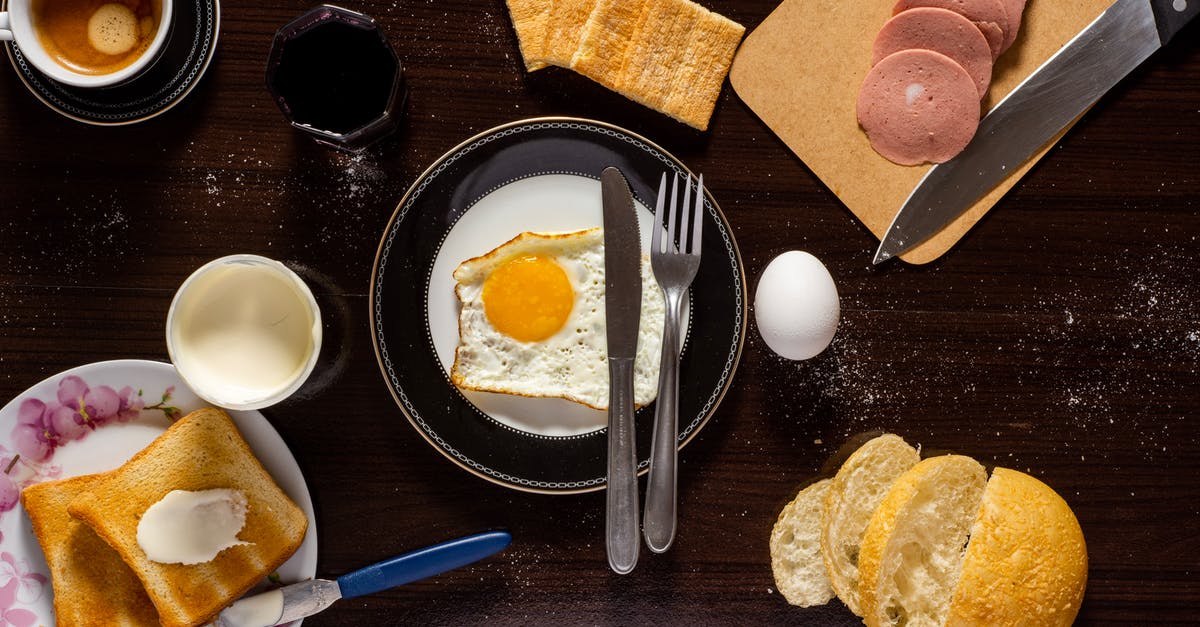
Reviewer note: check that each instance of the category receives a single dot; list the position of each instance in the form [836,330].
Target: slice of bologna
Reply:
[1015,10]
[918,106]
[939,30]
[989,16]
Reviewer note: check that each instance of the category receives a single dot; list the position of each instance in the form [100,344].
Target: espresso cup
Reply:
[42,30]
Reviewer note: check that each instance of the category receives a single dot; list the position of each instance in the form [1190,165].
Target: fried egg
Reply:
[532,321]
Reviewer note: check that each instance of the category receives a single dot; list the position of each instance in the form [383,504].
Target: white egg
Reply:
[796,305]
[532,321]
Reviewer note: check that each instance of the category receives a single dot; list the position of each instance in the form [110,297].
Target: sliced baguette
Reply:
[201,451]
[92,585]
[1027,561]
[912,551]
[859,486]
[796,548]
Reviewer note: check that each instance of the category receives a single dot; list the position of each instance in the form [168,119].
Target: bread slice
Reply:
[912,552]
[529,21]
[796,548]
[860,485]
[1026,562]
[604,42]
[92,585]
[201,451]
[564,28]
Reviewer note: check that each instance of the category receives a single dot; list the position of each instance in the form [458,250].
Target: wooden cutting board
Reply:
[800,71]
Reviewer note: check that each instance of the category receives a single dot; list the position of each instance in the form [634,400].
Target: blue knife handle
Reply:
[422,563]
[1172,15]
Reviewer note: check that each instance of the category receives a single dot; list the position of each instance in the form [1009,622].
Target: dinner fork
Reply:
[674,269]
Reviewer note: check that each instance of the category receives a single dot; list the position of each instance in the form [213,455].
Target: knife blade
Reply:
[622,314]
[1059,91]
[306,598]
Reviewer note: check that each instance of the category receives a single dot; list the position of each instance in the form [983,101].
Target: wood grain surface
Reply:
[1060,337]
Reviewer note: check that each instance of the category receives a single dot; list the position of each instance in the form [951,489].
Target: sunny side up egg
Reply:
[532,321]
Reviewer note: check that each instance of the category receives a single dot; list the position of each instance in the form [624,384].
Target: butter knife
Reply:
[306,598]
[622,314]
[1039,108]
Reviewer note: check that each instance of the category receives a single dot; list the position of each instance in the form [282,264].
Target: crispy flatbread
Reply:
[529,20]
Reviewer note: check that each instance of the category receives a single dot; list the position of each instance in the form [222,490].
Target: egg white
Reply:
[571,364]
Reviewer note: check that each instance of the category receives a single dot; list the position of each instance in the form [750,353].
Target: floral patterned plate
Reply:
[91,419]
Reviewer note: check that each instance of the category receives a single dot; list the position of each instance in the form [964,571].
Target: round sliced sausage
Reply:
[989,16]
[939,30]
[1015,9]
[918,106]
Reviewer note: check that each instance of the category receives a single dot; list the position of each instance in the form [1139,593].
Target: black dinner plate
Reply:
[520,153]
[185,57]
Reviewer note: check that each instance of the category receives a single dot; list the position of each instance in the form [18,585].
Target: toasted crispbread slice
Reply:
[860,485]
[911,554]
[677,61]
[201,451]
[604,42]
[796,548]
[564,28]
[92,585]
[529,21]
[1026,562]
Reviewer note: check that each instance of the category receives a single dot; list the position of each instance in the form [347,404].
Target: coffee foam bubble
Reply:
[113,29]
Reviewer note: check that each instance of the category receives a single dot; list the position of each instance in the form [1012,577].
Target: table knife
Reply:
[306,598]
[622,314]
[1039,108]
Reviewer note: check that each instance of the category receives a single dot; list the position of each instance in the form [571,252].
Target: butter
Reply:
[261,610]
[187,527]
[244,332]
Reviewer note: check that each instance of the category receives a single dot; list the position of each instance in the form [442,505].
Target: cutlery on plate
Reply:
[674,269]
[1039,108]
[306,598]
[623,306]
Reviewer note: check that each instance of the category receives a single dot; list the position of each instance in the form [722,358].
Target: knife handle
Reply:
[1172,15]
[422,563]
[621,539]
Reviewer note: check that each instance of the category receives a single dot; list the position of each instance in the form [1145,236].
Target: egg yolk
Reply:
[528,298]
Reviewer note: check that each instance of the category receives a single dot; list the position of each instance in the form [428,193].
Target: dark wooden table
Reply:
[1059,338]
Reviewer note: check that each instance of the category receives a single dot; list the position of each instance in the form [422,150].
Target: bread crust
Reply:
[916,536]
[1027,560]
[201,451]
[860,485]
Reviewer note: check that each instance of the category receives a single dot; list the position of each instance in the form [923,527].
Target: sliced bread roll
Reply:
[92,585]
[912,551]
[201,451]
[1027,561]
[796,548]
[859,486]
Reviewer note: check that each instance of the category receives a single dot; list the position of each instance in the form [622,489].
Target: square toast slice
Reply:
[92,585]
[201,451]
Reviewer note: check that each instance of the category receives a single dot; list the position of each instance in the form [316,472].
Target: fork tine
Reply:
[684,213]
[656,238]
[698,217]
[671,210]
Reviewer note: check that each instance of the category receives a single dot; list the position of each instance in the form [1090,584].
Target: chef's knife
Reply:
[309,597]
[1039,108]
[622,313]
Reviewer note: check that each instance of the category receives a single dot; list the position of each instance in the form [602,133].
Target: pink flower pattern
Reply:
[42,426]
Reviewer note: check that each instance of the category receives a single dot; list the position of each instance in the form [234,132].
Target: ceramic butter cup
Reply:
[244,332]
[19,25]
